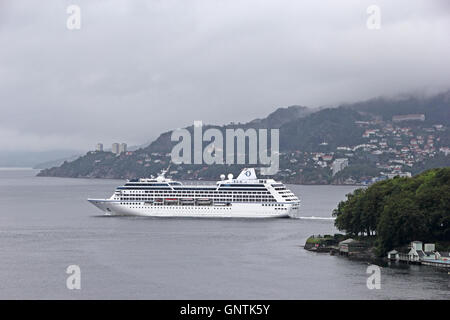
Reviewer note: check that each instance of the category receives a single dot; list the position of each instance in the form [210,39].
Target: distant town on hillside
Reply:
[359,143]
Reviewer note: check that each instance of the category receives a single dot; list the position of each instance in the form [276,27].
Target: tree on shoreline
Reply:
[399,210]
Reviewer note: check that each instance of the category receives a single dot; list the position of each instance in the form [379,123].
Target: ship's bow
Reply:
[102,204]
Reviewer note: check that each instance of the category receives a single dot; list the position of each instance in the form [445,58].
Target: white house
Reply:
[430,251]
[393,255]
[418,252]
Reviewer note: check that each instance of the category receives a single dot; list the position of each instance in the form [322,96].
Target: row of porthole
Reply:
[178,208]
[189,206]
[216,199]
[198,192]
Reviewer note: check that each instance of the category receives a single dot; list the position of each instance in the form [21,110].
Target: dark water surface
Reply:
[46,224]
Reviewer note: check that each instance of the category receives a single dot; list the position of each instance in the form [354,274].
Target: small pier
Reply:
[421,254]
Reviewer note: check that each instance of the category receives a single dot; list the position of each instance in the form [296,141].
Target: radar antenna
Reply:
[161,176]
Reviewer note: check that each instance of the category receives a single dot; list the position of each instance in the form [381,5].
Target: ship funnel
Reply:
[247,174]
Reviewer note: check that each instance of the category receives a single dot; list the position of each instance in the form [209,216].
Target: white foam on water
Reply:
[314,218]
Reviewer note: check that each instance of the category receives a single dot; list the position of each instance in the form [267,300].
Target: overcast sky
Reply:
[137,68]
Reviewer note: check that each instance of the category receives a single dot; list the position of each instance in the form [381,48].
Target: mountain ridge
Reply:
[302,129]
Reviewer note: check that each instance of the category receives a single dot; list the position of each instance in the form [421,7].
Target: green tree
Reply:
[399,210]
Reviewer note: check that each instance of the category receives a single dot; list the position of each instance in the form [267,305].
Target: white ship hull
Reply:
[244,197]
[235,210]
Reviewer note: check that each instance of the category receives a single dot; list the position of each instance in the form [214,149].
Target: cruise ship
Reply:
[243,197]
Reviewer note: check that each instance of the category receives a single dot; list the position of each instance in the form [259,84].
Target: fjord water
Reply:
[46,224]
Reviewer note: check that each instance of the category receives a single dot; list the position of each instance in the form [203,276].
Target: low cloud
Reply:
[135,69]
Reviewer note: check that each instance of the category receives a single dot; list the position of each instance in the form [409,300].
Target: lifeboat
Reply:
[204,201]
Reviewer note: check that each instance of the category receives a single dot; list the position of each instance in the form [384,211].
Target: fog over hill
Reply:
[138,68]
